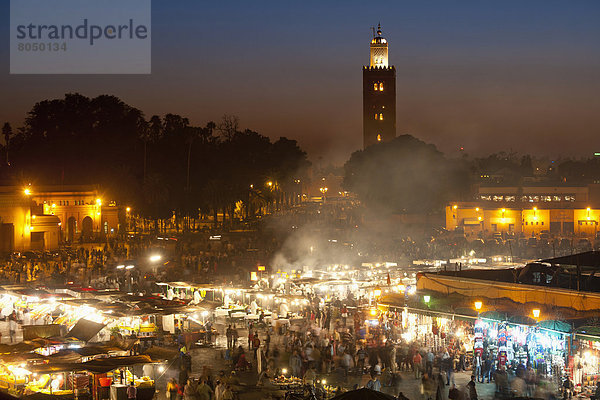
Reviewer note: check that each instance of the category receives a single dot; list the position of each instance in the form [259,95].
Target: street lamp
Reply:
[377,292]
[536,313]
[427,299]
[478,305]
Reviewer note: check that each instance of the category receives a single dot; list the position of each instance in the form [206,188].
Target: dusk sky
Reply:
[489,76]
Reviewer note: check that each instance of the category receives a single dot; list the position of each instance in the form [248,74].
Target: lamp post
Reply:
[323,190]
[478,305]
[536,313]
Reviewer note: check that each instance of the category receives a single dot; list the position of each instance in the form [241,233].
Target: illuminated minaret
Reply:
[379,94]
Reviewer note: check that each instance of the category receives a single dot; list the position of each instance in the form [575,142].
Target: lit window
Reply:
[381,117]
[379,138]
[381,86]
[375,87]
[376,116]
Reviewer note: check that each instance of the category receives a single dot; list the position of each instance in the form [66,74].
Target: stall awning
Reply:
[31,332]
[100,365]
[85,329]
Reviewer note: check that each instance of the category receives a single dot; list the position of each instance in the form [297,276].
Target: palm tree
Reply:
[7,132]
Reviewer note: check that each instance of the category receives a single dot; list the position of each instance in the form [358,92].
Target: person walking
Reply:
[189,391]
[204,392]
[417,360]
[449,368]
[172,389]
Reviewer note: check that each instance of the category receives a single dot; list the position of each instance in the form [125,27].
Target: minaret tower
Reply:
[379,94]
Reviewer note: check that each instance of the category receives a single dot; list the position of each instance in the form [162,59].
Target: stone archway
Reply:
[87,228]
[71,229]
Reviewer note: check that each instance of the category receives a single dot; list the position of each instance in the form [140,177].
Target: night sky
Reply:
[489,76]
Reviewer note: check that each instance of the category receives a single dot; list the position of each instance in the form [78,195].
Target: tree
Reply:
[404,175]
[228,126]
[7,133]
[156,166]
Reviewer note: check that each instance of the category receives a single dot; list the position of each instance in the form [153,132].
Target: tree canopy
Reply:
[404,175]
[156,165]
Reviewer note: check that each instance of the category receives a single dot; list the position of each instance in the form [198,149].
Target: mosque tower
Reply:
[379,94]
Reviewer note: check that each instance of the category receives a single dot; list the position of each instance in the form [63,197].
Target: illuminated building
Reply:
[40,218]
[528,211]
[379,94]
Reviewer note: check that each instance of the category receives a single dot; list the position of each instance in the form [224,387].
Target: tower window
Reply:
[375,86]
[381,117]
[379,138]
[376,116]
[381,86]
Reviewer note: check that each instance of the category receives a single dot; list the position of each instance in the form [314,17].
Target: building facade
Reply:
[379,94]
[42,218]
[528,211]
[82,211]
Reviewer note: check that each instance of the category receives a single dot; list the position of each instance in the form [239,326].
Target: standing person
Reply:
[296,364]
[346,363]
[267,343]
[255,345]
[227,393]
[344,313]
[250,339]
[477,368]
[12,326]
[229,336]
[487,368]
[219,390]
[429,363]
[472,388]
[417,359]
[361,355]
[234,336]
[131,391]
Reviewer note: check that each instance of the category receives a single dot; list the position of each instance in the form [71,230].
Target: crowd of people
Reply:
[316,351]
